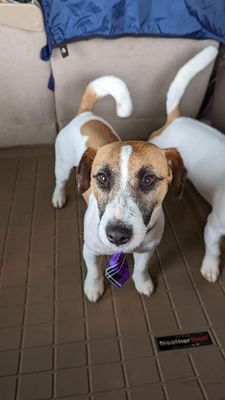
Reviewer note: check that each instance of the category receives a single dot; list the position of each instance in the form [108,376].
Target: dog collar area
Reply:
[117,271]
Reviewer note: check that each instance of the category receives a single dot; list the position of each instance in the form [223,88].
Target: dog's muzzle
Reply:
[119,234]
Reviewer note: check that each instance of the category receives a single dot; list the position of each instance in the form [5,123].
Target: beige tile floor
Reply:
[54,344]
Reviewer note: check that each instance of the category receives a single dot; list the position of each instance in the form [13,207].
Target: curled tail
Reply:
[181,81]
[185,75]
[104,86]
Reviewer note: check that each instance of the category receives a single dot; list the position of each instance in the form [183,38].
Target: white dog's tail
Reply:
[181,81]
[104,86]
[185,75]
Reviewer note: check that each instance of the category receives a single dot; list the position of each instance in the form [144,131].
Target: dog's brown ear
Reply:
[84,170]
[178,170]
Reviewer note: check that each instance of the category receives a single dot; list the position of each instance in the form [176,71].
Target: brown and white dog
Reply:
[124,184]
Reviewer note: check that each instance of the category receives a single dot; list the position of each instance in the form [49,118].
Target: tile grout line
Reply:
[168,291]
[49,370]
[197,376]
[121,351]
[28,271]
[219,346]
[85,342]
[87,339]
[101,392]
[6,236]
[153,344]
[54,358]
[8,221]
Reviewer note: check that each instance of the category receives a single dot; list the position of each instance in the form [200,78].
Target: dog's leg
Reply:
[63,166]
[141,277]
[210,264]
[59,195]
[93,284]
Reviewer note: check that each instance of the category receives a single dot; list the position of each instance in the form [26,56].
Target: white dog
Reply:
[124,184]
[202,149]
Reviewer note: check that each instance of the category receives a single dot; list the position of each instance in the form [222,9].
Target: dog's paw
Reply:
[93,288]
[143,285]
[210,271]
[59,198]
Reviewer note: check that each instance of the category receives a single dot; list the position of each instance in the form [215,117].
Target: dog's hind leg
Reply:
[212,236]
[62,172]
[141,277]
[64,162]
[93,284]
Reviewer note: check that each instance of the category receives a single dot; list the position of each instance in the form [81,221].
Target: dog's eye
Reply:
[146,181]
[103,179]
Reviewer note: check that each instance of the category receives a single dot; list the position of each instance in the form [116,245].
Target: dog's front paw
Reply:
[210,270]
[59,198]
[144,285]
[93,288]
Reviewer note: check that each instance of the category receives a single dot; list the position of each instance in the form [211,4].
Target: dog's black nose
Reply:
[118,234]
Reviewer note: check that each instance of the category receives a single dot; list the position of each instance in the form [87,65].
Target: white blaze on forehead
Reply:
[124,159]
[122,208]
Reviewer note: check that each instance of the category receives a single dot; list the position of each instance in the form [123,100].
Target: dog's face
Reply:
[129,181]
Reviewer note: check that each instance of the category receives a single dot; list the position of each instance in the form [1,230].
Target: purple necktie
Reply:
[117,272]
